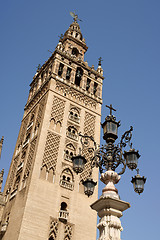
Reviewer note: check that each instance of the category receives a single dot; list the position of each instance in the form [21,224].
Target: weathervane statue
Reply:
[75,16]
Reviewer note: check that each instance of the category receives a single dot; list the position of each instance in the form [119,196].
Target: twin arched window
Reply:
[72,132]
[74,115]
[66,179]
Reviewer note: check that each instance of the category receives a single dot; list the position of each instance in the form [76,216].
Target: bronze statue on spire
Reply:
[75,16]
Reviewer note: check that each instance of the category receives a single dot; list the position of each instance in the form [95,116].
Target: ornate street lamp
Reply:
[110,127]
[89,186]
[78,163]
[131,158]
[138,183]
[108,158]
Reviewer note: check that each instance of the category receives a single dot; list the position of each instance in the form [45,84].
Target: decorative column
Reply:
[109,208]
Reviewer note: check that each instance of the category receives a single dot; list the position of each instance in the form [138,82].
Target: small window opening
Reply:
[63,206]
[68,179]
[73,131]
[78,77]
[64,177]
[60,70]
[95,88]
[75,52]
[88,84]
[67,152]
[68,74]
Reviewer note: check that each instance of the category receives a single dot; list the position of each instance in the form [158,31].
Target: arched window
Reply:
[69,151]
[63,206]
[72,132]
[75,52]
[74,115]
[66,179]
[63,213]
[68,73]
[88,84]
[78,77]
[60,70]
[95,88]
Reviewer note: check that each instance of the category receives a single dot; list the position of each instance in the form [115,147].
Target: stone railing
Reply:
[66,184]
[63,215]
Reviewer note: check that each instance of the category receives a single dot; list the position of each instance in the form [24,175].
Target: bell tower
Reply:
[44,198]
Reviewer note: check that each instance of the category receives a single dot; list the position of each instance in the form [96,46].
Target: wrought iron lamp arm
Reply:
[126,137]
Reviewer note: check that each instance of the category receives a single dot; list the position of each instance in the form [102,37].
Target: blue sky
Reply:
[126,34]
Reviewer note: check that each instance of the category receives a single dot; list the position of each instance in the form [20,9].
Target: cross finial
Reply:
[100,61]
[111,108]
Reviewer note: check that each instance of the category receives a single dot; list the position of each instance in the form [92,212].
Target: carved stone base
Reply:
[109,208]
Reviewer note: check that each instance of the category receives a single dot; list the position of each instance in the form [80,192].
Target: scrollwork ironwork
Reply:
[108,156]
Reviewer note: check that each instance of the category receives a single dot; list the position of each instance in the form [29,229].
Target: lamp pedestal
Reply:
[109,208]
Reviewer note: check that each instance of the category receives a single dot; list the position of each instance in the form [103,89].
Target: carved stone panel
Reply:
[51,151]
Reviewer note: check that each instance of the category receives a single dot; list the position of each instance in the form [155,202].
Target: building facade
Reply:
[43,198]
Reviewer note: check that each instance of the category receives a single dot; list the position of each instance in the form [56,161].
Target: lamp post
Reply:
[108,158]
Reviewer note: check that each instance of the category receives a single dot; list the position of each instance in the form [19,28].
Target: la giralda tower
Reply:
[43,198]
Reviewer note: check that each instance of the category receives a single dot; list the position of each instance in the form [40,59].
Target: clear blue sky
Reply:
[126,34]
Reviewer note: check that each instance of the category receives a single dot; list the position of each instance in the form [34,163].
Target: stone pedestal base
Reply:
[109,208]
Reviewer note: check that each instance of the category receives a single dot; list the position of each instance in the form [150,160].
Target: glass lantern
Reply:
[131,158]
[78,163]
[110,128]
[89,186]
[138,183]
